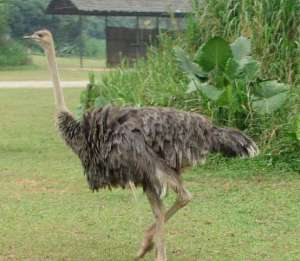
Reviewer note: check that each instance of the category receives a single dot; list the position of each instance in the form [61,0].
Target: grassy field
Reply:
[69,69]
[242,210]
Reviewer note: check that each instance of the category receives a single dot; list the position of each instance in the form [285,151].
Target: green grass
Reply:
[242,210]
[69,69]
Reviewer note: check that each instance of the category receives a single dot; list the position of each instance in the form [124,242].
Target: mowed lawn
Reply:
[38,71]
[241,211]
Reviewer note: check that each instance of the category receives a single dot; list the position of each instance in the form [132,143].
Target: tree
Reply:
[3,19]
[27,17]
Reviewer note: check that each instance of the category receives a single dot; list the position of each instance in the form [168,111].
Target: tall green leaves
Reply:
[241,48]
[270,96]
[187,65]
[213,54]
[230,80]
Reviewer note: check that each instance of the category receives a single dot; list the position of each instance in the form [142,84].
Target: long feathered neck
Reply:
[69,128]
[58,92]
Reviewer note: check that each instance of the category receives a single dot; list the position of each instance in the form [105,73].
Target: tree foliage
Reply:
[3,18]
[27,17]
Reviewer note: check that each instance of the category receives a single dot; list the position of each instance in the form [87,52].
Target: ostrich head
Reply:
[43,38]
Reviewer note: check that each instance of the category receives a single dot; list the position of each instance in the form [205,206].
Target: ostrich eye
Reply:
[40,35]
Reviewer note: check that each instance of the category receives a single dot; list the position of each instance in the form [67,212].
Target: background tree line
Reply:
[18,18]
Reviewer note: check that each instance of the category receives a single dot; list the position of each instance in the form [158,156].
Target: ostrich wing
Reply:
[177,138]
[180,138]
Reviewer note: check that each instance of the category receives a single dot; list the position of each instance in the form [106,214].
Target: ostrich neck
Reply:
[58,92]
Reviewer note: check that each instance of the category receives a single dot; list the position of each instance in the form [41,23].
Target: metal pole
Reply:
[157,23]
[106,41]
[158,31]
[80,42]
[137,36]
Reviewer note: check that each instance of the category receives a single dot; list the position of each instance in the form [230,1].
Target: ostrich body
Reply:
[147,147]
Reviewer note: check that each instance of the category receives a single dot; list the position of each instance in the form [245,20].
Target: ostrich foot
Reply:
[147,246]
[161,256]
[160,259]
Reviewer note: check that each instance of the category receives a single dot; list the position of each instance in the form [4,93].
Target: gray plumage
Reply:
[121,145]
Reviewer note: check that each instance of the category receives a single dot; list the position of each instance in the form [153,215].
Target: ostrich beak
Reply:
[27,37]
[32,37]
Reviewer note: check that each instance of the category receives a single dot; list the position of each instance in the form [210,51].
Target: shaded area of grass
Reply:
[242,210]
[69,69]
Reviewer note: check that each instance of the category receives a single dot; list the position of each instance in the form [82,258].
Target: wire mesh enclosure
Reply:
[131,43]
[139,27]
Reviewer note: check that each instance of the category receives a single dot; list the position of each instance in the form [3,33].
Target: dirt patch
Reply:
[27,182]
[91,69]
[40,84]
[34,186]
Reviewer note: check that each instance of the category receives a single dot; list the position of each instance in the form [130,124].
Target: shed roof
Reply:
[120,7]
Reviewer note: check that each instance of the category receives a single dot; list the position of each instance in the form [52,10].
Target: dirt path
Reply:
[40,84]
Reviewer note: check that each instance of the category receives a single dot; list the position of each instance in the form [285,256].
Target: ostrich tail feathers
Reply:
[233,143]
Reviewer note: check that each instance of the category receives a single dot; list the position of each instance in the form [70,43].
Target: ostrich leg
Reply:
[158,211]
[183,198]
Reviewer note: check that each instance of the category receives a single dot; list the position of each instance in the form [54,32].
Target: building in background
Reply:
[140,23]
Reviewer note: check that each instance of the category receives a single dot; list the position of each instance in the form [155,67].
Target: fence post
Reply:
[106,41]
[80,42]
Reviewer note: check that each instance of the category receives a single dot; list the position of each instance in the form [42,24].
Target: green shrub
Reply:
[229,81]
[13,54]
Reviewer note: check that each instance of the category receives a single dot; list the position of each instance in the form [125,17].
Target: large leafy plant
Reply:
[229,81]
[298,128]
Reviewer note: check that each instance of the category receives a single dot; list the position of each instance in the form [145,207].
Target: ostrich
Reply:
[147,147]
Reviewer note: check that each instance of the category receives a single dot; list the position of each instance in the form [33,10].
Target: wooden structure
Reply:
[128,42]
[121,41]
